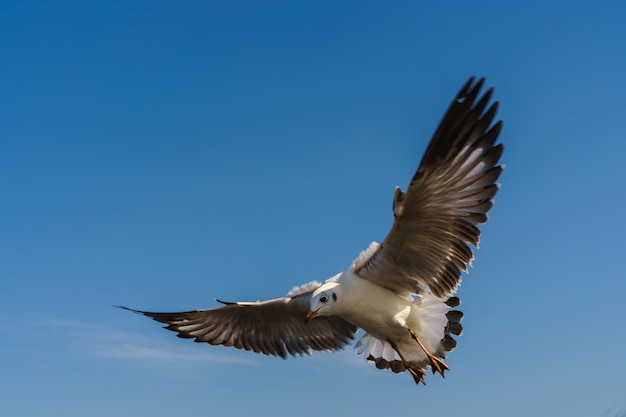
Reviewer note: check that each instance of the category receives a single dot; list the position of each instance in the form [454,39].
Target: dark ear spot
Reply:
[334,297]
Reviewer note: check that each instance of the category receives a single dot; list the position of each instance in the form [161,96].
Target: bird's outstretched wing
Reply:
[273,327]
[435,220]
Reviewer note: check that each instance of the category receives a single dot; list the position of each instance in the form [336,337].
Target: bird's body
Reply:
[386,317]
[375,309]
[401,291]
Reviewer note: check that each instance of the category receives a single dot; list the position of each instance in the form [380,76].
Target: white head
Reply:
[323,301]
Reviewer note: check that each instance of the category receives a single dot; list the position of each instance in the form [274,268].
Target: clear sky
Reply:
[160,154]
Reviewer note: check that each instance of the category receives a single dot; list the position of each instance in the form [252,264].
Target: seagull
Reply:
[400,292]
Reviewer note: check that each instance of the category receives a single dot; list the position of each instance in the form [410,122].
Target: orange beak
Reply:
[310,315]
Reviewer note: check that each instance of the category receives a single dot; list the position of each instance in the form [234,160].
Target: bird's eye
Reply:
[323,299]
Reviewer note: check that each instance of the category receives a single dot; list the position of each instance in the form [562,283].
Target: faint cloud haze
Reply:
[99,340]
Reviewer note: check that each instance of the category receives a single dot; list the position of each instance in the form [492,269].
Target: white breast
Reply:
[375,309]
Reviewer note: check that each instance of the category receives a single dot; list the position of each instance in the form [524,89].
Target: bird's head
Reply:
[323,301]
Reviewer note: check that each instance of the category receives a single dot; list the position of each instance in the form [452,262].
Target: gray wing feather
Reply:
[273,327]
[451,192]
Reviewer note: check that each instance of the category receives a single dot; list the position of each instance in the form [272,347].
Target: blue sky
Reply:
[161,154]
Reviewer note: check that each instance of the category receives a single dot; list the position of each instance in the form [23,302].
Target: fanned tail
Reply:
[438,324]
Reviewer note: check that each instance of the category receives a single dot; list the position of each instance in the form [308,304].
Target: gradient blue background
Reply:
[159,154]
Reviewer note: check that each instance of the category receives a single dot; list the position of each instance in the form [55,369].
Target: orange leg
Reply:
[416,373]
[436,364]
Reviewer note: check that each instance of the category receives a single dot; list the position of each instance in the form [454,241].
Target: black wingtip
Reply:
[479,84]
[131,309]
[466,87]
[226,303]
[473,83]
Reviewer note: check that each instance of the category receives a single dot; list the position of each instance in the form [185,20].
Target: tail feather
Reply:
[453,327]
[436,318]
[381,353]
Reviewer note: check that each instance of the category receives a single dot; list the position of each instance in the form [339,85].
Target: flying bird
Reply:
[400,291]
